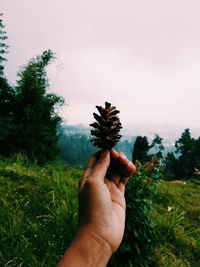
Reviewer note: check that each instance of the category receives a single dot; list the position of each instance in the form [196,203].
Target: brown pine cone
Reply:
[106,128]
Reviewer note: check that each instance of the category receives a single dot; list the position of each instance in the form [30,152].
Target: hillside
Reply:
[38,215]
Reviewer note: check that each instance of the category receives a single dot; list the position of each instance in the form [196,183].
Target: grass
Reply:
[38,216]
[38,213]
[178,229]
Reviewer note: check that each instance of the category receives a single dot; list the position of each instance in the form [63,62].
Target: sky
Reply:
[142,56]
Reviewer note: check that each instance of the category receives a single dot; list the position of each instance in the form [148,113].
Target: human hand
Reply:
[101,198]
[101,210]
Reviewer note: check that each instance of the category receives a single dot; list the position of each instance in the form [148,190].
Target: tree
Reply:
[196,158]
[185,144]
[3,46]
[185,147]
[187,161]
[140,149]
[158,146]
[172,167]
[7,97]
[35,113]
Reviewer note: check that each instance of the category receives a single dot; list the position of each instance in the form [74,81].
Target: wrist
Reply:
[88,249]
[96,250]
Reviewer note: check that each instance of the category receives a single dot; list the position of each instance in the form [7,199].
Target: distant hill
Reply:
[76,140]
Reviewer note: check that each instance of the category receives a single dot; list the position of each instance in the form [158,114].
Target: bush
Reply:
[140,238]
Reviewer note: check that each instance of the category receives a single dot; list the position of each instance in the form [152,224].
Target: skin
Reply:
[101,210]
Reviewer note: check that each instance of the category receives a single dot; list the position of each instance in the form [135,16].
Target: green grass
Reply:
[38,213]
[179,229]
[38,217]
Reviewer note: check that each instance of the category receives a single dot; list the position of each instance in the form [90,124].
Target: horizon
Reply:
[163,130]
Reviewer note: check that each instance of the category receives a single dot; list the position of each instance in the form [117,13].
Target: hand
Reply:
[102,203]
[101,209]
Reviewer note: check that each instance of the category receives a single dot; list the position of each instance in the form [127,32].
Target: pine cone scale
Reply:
[106,129]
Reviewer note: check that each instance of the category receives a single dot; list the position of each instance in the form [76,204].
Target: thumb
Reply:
[101,167]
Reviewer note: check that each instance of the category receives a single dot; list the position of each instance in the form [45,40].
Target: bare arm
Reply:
[101,210]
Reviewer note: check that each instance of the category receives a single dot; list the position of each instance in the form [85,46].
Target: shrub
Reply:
[140,236]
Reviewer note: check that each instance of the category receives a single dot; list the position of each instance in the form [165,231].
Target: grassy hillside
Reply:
[38,212]
[179,229]
[38,215]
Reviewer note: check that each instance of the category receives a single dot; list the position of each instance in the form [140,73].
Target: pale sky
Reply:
[142,56]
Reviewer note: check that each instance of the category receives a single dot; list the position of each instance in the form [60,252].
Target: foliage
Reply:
[157,146]
[7,128]
[140,237]
[140,149]
[3,46]
[34,113]
[171,166]
[75,149]
[28,119]
[7,95]
[185,147]
[126,147]
[38,217]
[187,161]
[178,227]
[38,213]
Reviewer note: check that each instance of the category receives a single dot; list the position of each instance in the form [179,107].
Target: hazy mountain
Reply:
[166,131]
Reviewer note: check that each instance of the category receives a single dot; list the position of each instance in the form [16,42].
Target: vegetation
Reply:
[38,205]
[140,238]
[7,95]
[29,122]
[38,216]
[38,213]
[37,122]
[73,146]
[3,46]
[140,149]
[187,162]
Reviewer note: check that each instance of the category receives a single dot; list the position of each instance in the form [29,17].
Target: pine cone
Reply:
[106,129]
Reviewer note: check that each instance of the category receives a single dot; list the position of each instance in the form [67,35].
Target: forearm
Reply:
[86,250]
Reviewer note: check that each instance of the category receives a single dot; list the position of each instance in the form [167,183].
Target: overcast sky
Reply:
[142,56]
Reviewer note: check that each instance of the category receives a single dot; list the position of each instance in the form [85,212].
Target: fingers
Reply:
[114,153]
[121,164]
[131,168]
[96,167]
[121,186]
[91,163]
[101,167]
[115,179]
[119,167]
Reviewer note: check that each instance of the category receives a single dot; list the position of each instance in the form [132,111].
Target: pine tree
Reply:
[140,149]
[157,146]
[3,46]
[7,97]
[184,148]
[35,116]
